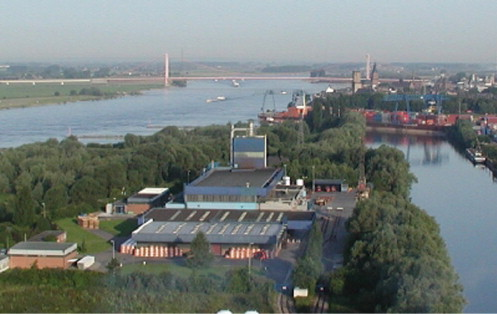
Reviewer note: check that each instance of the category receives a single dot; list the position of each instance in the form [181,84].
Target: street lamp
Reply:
[113,249]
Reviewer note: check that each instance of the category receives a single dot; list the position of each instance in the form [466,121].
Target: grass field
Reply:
[26,95]
[119,227]
[75,233]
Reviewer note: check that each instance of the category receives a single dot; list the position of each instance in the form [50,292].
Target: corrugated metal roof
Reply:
[208,215]
[217,232]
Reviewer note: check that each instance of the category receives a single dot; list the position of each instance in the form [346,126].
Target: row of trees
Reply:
[309,266]
[335,104]
[396,259]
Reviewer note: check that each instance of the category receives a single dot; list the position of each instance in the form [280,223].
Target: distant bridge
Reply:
[167,78]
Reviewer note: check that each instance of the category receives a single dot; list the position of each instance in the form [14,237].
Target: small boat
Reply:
[218,98]
[475,155]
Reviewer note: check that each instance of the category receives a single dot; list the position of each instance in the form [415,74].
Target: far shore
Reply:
[25,96]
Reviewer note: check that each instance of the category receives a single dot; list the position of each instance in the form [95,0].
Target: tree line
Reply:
[42,182]
[396,260]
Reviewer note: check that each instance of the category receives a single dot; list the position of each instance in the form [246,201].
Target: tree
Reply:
[200,254]
[24,214]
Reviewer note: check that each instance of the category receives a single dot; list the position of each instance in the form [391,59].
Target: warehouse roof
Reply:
[216,232]
[42,248]
[206,215]
[237,177]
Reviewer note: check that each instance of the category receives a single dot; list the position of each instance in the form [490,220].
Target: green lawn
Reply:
[27,95]
[75,233]
[119,227]
[49,89]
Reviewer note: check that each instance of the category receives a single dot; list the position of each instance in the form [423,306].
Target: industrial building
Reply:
[140,202]
[231,233]
[243,209]
[248,184]
[42,254]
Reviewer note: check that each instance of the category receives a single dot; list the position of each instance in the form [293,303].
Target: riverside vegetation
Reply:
[395,252]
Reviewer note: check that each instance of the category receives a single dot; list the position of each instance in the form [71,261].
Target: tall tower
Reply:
[368,67]
[166,70]
[356,81]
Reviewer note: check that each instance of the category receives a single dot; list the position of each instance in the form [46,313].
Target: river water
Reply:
[163,107]
[463,200]
[461,197]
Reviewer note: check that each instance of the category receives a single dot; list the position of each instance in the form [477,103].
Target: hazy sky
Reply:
[252,30]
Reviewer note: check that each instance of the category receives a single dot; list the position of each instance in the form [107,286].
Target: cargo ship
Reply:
[297,109]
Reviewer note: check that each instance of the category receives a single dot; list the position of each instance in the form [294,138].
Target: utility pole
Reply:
[113,250]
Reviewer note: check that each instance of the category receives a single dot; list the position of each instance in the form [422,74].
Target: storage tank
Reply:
[300,182]
[286,180]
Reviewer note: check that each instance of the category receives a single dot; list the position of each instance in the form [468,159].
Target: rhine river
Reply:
[460,196]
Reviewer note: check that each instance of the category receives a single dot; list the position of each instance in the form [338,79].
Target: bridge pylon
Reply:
[166,70]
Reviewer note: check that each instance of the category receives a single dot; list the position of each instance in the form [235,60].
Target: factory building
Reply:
[42,254]
[231,188]
[140,202]
[231,233]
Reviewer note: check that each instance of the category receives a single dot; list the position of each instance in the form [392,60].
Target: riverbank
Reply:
[24,95]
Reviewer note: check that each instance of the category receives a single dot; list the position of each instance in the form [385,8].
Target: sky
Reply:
[284,31]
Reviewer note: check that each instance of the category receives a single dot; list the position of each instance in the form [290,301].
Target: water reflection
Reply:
[432,154]
[461,197]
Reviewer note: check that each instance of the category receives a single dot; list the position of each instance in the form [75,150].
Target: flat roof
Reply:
[153,191]
[215,232]
[42,248]
[147,195]
[214,215]
[236,177]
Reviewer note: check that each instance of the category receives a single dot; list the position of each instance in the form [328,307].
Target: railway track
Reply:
[321,303]
[286,304]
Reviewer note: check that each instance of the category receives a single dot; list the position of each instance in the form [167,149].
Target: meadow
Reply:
[26,94]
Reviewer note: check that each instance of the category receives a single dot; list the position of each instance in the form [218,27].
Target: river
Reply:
[162,107]
[461,197]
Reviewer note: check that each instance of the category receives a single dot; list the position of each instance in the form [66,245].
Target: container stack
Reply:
[156,251]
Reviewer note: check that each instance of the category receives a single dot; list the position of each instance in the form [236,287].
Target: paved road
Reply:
[338,212]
